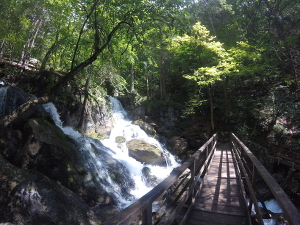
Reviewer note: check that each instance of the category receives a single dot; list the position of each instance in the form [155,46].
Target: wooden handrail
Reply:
[290,212]
[197,165]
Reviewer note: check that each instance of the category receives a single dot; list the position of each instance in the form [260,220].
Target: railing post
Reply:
[144,204]
[192,168]
[147,215]
[290,212]
[253,181]
[193,177]
[206,156]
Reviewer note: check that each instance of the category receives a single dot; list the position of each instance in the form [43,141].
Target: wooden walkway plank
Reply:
[220,201]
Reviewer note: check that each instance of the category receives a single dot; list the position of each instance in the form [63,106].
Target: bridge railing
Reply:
[165,201]
[251,171]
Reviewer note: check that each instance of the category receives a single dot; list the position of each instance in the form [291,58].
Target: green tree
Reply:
[202,59]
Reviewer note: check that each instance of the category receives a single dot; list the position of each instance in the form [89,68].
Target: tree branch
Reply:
[88,61]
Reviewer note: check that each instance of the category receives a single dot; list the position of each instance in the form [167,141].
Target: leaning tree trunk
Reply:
[97,51]
[81,32]
[49,52]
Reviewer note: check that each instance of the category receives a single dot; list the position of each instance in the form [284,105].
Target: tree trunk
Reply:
[73,72]
[295,59]
[81,31]
[162,79]
[49,52]
[2,48]
[132,91]
[86,94]
[226,105]
[147,80]
[25,55]
[211,106]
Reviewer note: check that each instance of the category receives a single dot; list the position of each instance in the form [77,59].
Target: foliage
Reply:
[239,60]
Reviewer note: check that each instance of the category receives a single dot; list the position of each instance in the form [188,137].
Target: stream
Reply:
[96,163]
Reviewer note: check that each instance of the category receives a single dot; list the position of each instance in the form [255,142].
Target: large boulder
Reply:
[148,128]
[11,98]
[28,197]
[43,147]
[98,120]
[145,153]
[149,179]
[42,167]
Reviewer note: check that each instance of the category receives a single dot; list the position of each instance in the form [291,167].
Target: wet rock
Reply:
[120,139]
[48,167]
[149,179]
[46,149]
[145,153]
[148,128]
[31,198]
[11,98]
[98,120]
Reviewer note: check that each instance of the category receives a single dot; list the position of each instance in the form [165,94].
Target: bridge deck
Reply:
[220,200]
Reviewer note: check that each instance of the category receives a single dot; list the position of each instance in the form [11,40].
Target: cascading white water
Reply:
[3,93]
[96,164]
[273,206]
[124,127]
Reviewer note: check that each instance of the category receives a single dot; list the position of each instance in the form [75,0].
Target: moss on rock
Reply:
[144,152]
[120,139]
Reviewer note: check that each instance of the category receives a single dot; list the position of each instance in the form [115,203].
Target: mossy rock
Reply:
[145,153]
[120,139]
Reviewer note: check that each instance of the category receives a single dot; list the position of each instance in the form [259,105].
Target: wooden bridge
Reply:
[217,185]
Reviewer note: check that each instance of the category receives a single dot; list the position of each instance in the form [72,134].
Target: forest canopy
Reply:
[235,61]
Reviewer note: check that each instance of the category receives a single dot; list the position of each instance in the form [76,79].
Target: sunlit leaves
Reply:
[206,59]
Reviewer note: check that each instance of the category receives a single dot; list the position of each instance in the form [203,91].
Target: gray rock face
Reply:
[46,178]
[32,198]
[98,120]
[148,128]
[47,150]
[149,179]
[11,98]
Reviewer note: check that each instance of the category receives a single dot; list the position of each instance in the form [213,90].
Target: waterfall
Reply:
[96,164]
[3,93]
[124,127]
[92,157]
